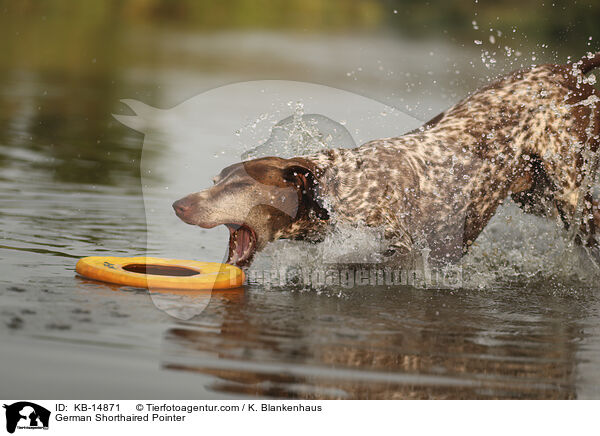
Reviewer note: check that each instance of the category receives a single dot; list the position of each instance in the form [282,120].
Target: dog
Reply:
[532,135]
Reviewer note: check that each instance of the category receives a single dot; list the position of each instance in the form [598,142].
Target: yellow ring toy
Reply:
[157,273]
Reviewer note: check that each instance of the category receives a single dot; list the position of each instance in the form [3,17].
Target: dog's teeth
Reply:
[241,245]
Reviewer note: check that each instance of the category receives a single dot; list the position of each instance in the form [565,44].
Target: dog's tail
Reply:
[589,62]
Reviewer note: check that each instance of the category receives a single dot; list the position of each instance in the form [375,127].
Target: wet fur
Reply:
[531,135]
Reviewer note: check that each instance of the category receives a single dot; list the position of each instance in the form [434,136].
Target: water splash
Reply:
[518,248]
[514,249]
[301,134]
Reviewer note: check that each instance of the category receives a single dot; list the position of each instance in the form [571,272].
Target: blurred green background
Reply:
[92,34]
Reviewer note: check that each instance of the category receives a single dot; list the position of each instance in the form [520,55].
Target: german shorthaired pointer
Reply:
[532,134]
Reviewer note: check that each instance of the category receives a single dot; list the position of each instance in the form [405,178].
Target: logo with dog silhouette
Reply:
[26,415]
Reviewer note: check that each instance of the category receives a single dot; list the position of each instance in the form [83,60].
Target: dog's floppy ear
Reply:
[303,179]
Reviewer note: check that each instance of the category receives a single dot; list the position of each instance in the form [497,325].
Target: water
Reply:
[525,327]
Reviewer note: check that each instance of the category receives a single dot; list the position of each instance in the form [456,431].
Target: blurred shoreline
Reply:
[97,34]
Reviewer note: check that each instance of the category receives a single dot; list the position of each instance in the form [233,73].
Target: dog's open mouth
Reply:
[242,244]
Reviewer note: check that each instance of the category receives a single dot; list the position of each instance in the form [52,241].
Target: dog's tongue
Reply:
[240,245]
[243,241]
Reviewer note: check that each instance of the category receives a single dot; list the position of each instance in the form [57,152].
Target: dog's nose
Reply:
[181,206]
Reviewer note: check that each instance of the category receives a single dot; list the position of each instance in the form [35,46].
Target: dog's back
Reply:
[525,135]
[532,135]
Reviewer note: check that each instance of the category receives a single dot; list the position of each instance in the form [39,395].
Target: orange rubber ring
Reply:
[165,273]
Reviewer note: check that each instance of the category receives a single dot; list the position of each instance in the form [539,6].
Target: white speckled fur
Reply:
[524,135]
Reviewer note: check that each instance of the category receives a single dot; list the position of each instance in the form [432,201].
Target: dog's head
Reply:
[259,201]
